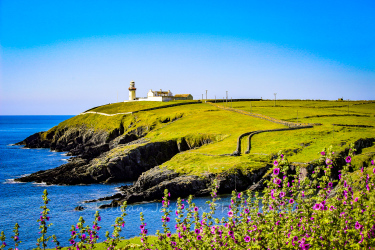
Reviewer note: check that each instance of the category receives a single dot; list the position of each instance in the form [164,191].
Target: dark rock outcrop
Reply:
[119,164]
[79,208]
[151,184]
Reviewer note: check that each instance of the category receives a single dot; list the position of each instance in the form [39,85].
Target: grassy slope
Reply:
[123,107]
[201,121]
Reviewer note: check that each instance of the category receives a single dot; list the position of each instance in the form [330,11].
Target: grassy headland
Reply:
[201,121]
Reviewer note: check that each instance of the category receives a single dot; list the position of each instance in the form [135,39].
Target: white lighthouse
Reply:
[132,90]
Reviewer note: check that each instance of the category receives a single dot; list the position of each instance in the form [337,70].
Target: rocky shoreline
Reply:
[97,159]
[102,157]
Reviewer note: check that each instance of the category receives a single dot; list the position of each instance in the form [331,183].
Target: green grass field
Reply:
[123,107]
[197,122]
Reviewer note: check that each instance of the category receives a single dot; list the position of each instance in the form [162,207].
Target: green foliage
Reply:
[112,242]
[2,240]
[43,226]
[317,212]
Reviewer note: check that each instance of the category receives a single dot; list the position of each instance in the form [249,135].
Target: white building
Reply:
[160,96]
[157,96]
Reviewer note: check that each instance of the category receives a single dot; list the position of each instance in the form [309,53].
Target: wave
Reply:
[12,181]
[41,184]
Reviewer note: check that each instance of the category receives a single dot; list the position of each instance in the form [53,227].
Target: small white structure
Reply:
[132,90]
[160,96]
[156,96]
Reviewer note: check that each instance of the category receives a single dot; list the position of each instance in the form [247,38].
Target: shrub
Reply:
[291,213]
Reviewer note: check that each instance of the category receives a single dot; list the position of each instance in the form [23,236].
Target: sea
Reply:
[20,202]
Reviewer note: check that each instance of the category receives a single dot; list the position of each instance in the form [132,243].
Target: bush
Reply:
[291,213]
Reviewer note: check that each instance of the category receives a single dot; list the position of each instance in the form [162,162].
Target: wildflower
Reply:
[357,225]
[348,159]
[230,213]
[73,232]
[295,238]
[282,194]
[276,171]
[340,176]
[182,206]
[275,163]
[323,153]
[167,219]
[15,238]
[372,162]
[169,194]
[247,238]
[328,161]
[199,237]
[197,231]
[141,226]
[231,233]
[277,181]
[291,201]
[83,236]
[239,195]
[169,235]
[99,218]
[246,211]
[330,184]
[196,209]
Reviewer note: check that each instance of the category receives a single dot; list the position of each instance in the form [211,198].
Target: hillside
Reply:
[184,145]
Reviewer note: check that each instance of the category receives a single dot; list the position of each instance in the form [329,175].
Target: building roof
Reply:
[182,95]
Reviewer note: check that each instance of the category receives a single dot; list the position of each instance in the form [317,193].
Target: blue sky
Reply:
[63,57]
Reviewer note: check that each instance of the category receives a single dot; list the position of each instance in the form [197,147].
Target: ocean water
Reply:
[20,202]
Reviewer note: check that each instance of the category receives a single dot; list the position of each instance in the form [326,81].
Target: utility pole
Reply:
[227,98]
[206,95]
[215,98]
[202,97]
[275,98]
[231,102]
